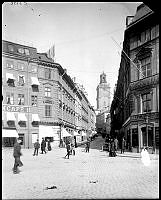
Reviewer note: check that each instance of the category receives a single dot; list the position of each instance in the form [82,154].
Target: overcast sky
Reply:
[83,34]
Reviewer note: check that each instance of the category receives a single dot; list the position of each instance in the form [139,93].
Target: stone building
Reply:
[39,99]
[135,107]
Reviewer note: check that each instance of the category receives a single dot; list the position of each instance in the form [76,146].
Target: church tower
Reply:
[103,94]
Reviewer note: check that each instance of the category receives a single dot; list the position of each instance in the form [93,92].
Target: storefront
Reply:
[9,136]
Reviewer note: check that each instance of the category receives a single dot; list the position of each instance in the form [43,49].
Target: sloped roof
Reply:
[142,10]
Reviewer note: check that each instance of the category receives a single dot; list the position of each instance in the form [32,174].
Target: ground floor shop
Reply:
[142,131]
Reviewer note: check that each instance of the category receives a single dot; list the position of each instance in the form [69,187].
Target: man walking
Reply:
[87,146]
[43,146]
[68,150]
[16,154]
[36,146]
[123,144]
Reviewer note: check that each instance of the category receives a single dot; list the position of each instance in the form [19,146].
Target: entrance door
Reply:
[147,136]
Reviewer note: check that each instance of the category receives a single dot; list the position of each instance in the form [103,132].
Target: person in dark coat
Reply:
[123,144]
[112,152]
[87,146]
[36,146]
[43,146]
[68,150]
[49,145]
[116,144]
[16,154]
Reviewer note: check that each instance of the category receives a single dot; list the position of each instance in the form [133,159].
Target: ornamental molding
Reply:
[145,83]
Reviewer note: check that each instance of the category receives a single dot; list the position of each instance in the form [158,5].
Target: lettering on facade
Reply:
[12,108]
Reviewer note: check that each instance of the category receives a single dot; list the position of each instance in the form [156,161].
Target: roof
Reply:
[142,11]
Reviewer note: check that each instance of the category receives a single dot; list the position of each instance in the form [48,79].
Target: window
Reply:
[47,92]
[10,98]
[35,88]
[146,101]
[33,68]
[20,66]
[11,82]
[34,100]
[20,50]
[47,110]
[9,64]
[47,73]
[21,99]
[27,52]
[146,67]
[10,48]
[21,80]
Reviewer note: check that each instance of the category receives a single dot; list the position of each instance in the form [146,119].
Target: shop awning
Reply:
[9,76]
[47,131]
[9,133]
[76,133]
[34,81]
[83,133]
[35,117]
[65,133]
[11,116]
[22,117]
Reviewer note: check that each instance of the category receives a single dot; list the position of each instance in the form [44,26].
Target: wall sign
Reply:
[14,108]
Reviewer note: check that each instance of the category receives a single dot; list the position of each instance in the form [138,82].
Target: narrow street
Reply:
[83,176]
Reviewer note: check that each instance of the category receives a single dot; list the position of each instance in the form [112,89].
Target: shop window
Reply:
[21,99]
[47,73]
[146,102]
[34,100]
[21,80]
[10,98]
[35,123]
[48,110]
[47,92]
[21,136]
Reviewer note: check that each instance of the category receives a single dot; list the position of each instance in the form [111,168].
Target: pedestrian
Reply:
[87,146]
[123,144]
[73,149]
[49,145]
[116,144]
[112,152]
[43,146]
[16,154]
[36,146]
[68,150]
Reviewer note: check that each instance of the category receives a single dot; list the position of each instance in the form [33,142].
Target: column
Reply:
[131,139]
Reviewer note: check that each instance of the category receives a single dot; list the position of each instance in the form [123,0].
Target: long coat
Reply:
[123,144]
[36,145]
[17,150]
[43,144]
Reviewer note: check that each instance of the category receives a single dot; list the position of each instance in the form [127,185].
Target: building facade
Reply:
[39,98]
[135,107]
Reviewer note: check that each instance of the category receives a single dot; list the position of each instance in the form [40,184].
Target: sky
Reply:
[88,37]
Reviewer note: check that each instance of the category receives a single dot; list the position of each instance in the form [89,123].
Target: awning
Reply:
[22,117]
[9,133]
[11,116]
[83,133]
[47,131]
[35,117]
[65,133]
[76,133]
[34,81]
[9,76]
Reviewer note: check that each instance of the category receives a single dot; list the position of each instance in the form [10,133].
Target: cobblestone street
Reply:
[85,175]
